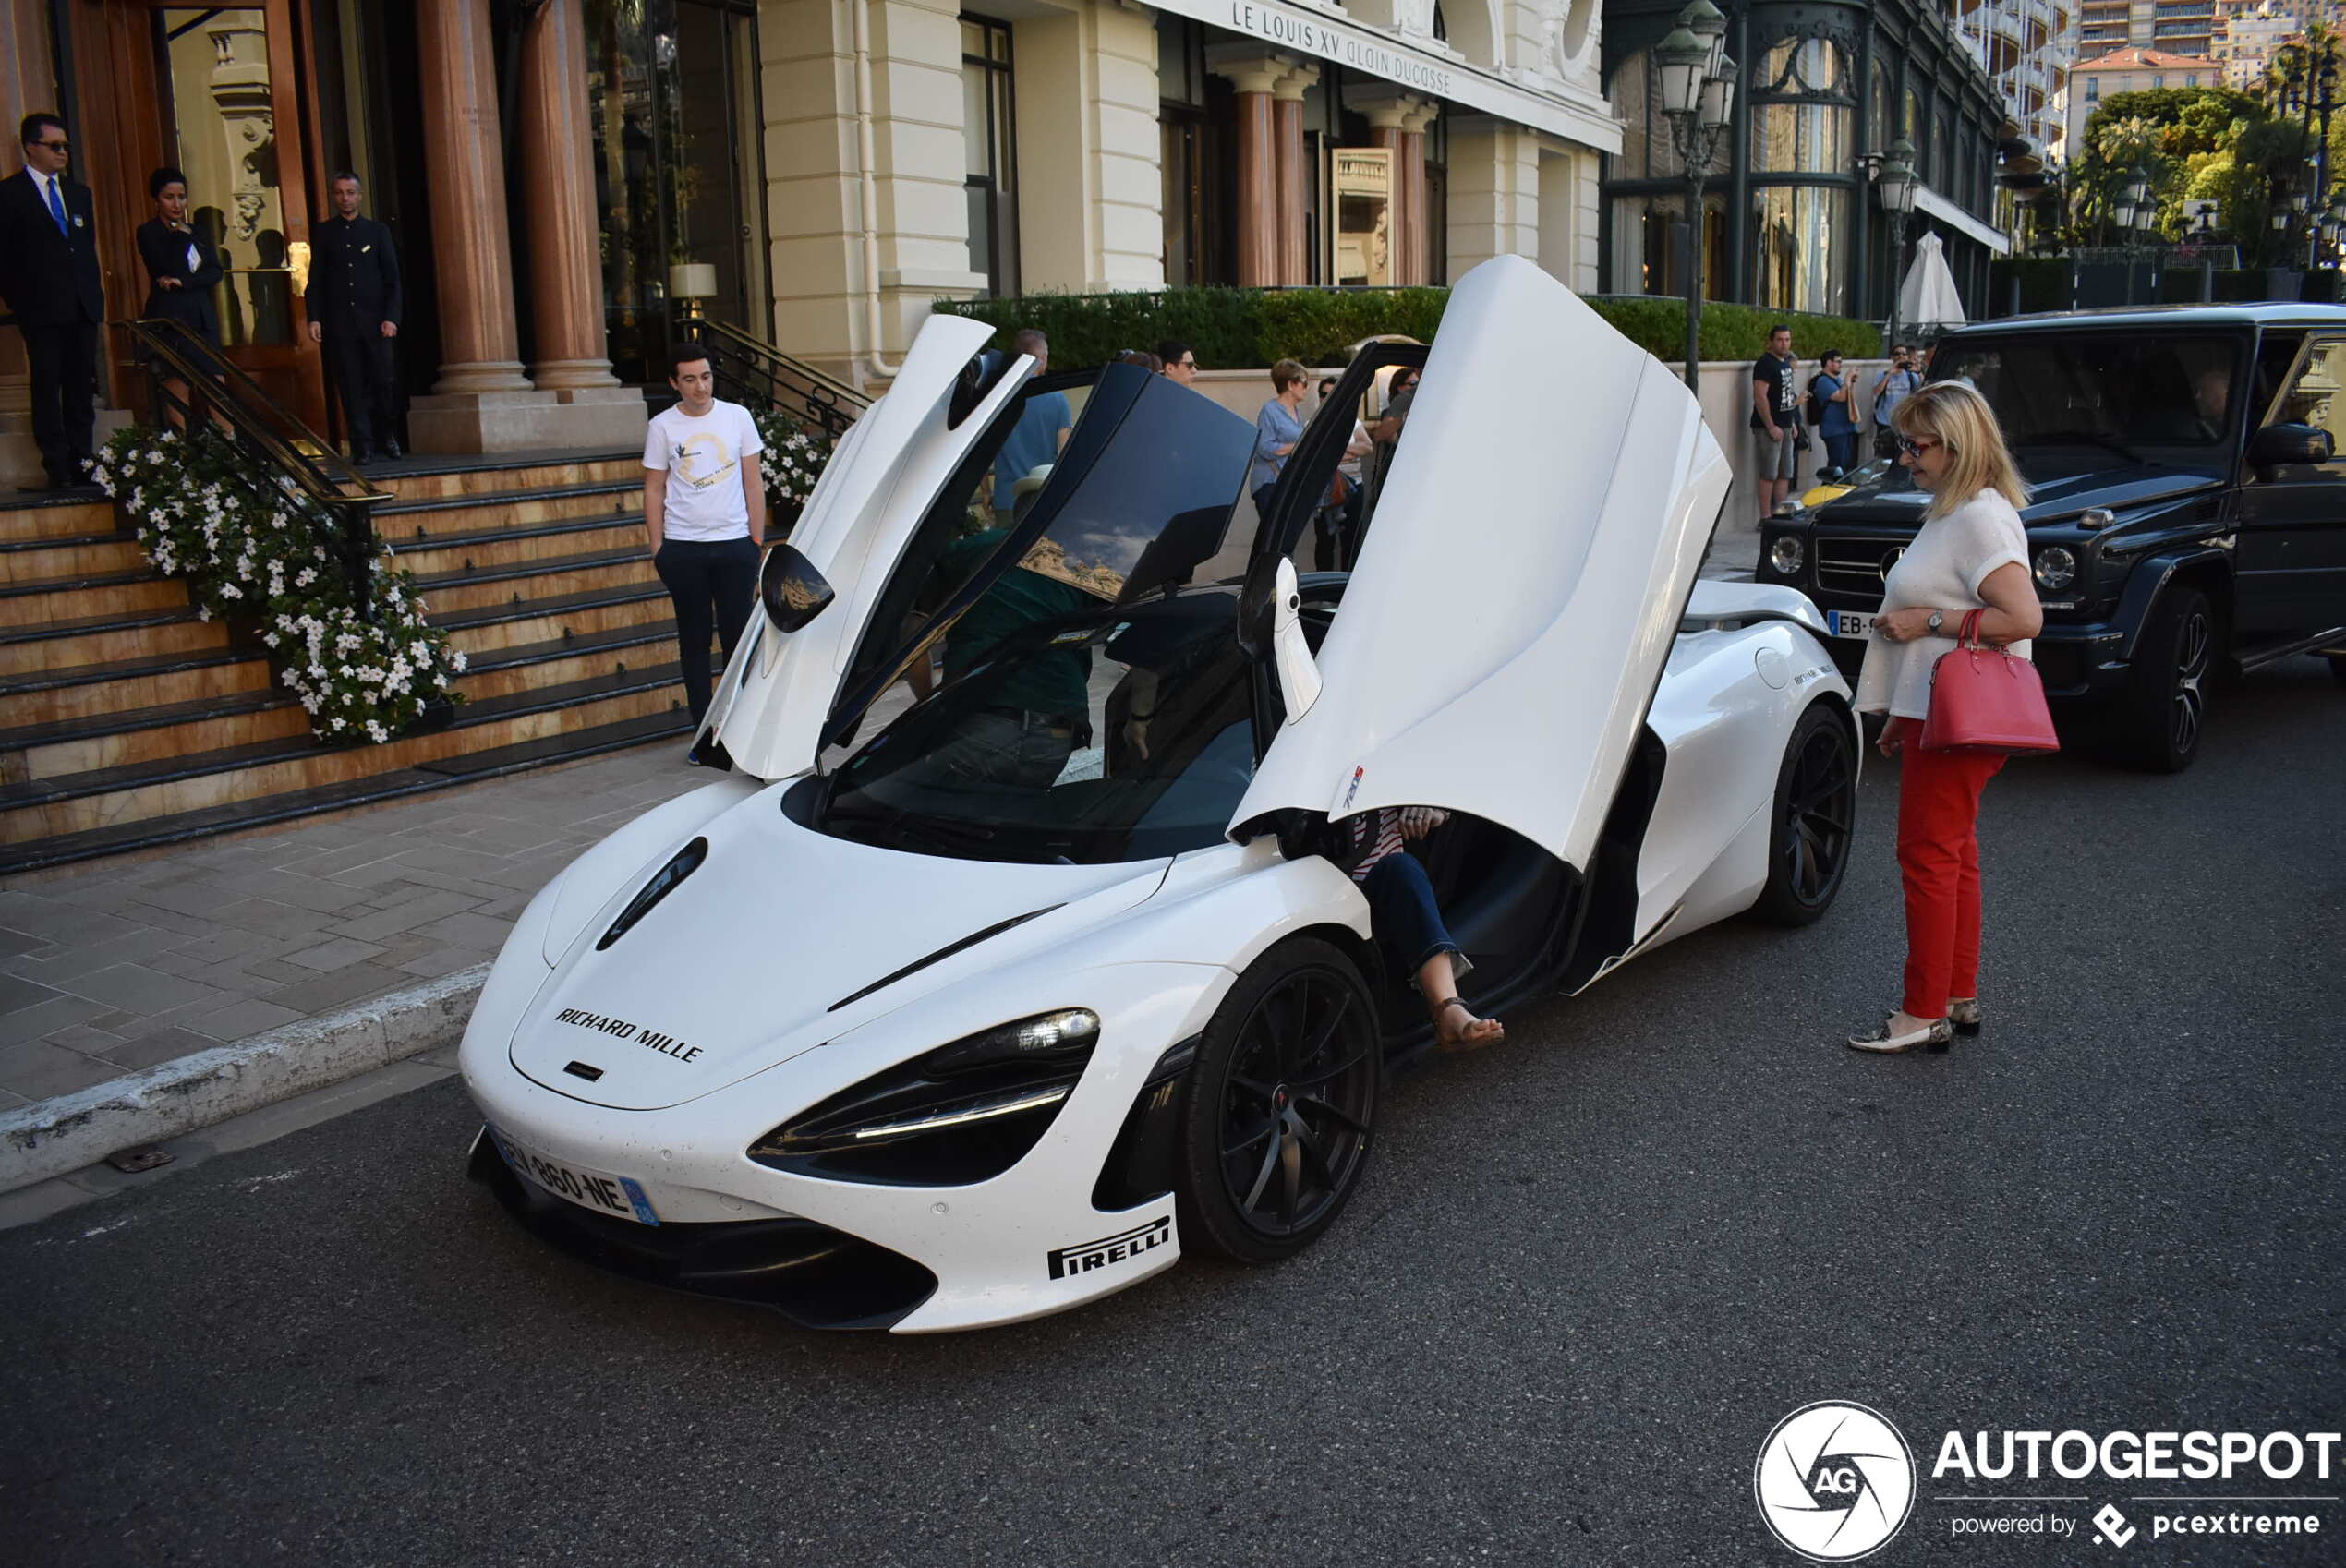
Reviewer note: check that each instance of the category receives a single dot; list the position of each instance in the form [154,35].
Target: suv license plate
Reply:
[1849,624]
[617,1196]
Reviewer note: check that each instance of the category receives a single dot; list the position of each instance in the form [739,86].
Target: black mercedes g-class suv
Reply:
[2189,511]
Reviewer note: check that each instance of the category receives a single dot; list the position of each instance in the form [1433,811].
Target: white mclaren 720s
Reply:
[1002,960]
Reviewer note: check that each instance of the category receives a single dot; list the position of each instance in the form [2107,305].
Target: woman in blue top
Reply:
[1276,429]
[1838,428]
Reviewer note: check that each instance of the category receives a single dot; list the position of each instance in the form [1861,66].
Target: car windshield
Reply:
[1063,735]
[2116,392]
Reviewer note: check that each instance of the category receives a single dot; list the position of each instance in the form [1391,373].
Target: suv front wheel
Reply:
[2167,700]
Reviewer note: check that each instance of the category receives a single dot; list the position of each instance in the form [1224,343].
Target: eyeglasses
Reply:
[1915,446]
[56,146]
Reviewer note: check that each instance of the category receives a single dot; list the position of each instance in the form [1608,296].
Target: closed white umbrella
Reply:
[1928,297]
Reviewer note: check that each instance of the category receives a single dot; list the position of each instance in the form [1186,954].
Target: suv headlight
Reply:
[1786,554]
[2056,568]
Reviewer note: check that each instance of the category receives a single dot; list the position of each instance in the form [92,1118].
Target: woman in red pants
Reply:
[1970,554]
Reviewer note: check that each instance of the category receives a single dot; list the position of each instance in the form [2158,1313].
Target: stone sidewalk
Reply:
[127,964]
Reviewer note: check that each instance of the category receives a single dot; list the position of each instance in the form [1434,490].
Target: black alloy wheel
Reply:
[1281,1106]
[1815,813]
[2169,698]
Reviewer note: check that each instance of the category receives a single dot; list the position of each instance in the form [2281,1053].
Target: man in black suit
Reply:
[353,310]
[49,278]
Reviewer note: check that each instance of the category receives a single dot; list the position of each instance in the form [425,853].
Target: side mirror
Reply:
[2285,446]
[1290,649]
[792,591]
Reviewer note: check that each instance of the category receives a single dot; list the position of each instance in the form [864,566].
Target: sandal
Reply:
[1455,1045]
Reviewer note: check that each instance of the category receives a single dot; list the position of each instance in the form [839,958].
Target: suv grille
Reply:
[1857,566]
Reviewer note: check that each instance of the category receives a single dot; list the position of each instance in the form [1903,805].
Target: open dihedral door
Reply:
[893,464]
[1505,628]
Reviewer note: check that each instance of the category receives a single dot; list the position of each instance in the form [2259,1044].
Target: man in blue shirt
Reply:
[1041,431]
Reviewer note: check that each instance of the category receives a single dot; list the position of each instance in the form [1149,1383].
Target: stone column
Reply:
[558,178]
[1255,74]
[1410,174]
[1384,130]
[565,260]
[480,384]
[1295,237]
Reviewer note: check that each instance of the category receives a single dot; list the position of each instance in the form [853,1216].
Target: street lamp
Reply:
[1698,99]
[1892,174]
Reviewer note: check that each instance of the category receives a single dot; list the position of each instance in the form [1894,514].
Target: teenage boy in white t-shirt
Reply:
[705,511]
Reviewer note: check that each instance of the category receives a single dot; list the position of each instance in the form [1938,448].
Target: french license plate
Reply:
[1849,624]
[619,1196]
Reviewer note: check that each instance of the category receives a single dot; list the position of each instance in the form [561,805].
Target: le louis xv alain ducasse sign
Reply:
[1572,113]
[1288,30]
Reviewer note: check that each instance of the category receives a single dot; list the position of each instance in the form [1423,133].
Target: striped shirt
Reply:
[1381,829]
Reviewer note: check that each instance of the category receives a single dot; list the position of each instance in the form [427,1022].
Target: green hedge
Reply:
[1250,329]
[2045,282]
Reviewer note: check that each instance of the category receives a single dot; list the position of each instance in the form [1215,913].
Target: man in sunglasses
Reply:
[49,281]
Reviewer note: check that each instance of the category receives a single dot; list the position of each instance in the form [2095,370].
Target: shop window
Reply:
[1801,238]
[1647,255]
[1646,151]
[989,148]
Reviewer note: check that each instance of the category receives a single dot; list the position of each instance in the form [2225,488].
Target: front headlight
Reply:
[962,1113]
[2056,568]
[1786,554]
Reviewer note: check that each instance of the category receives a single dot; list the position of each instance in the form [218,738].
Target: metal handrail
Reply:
[188,376]
[754,370]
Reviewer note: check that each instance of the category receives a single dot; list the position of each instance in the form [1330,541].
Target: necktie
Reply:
[57,208]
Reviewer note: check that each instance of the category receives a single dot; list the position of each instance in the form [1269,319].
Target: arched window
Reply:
[1802,105]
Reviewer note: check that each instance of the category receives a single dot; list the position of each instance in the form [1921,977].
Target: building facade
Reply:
[920,150]
[2174,26]
[563,174]
[2026,47]
[2130,70]
[1789,220]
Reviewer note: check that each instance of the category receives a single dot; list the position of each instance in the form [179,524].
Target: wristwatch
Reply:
[1936,616]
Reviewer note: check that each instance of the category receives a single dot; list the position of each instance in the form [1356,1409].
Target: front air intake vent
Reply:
[687,862]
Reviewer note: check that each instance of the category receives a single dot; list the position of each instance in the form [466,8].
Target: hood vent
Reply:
[972,940]
[687,862]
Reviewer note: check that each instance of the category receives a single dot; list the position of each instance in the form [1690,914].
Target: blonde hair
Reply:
[1954,414]
[1286,372]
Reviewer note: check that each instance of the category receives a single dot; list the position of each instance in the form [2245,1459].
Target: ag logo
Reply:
[1834,1481]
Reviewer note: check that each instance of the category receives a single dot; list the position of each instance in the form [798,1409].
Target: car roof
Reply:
[2273,313]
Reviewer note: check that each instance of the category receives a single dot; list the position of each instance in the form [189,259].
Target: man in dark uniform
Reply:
[49,278]
[353,310]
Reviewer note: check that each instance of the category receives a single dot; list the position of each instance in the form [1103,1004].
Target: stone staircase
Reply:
[127,722]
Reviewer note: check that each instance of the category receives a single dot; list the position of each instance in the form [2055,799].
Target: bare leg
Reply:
[1454,1027]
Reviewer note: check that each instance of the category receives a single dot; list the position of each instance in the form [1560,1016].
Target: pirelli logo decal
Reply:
[1121,1247]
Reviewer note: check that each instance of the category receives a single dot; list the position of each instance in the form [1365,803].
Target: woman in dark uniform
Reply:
[182,264]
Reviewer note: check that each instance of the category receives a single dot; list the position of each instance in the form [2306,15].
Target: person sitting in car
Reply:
[1405,920]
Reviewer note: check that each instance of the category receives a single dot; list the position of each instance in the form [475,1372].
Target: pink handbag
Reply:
[1985,700]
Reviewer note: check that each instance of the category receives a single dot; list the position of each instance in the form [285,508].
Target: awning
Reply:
[1577,116]
[1930,201]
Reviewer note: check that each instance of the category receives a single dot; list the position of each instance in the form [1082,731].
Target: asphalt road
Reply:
[1588,1274]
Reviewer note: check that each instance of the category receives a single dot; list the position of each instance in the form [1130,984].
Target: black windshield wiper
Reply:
[2083,438]
[934,830]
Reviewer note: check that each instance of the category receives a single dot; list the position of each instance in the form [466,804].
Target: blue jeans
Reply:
[1841,450]
[1404,918]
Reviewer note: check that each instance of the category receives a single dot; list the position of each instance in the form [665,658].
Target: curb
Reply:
[72,1130]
